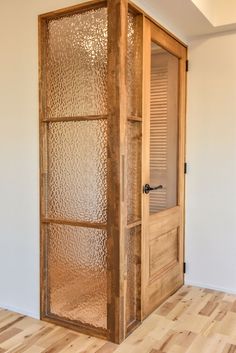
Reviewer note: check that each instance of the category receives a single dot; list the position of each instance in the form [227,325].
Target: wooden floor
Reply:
[192,321]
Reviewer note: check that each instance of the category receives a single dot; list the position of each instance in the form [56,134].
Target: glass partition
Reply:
[75,168]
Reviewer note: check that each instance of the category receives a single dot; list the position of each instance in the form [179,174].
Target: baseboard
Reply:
[34,315]
[209,286]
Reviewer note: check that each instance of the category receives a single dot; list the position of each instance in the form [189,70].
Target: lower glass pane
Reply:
[77,274]
[133,275]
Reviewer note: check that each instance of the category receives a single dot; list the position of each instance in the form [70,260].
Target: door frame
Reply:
[153,31]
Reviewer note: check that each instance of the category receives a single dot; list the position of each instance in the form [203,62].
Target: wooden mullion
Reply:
[162,38]
[74,223]
[75,118]
[43,160]
[117,185]
[134,224]
[135,118]
[132,327]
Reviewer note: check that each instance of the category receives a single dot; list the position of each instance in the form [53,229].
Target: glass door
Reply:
[163,166]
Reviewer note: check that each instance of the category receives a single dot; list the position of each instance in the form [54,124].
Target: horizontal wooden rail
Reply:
[74,223]
[135,118]
[86,118]
[75,118]
[134,224]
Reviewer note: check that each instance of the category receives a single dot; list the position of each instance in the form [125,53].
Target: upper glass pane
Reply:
[164,129]
[134,66]
[77,65]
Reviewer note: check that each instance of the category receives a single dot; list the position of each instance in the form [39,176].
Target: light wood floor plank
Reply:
[194,320]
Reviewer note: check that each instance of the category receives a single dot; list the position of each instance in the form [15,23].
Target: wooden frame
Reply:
[117,98]
[117,117]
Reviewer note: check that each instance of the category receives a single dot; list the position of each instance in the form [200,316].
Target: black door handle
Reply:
[147,188]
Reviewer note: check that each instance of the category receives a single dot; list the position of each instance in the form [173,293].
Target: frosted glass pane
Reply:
[77,274]
[133,275]
[163,129]
[77,64]
[134,171]
[134,66]
[77,170]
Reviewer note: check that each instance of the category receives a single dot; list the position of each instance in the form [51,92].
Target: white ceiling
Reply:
[188,19]
[218,12]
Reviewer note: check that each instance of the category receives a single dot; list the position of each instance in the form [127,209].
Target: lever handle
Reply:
[147,188]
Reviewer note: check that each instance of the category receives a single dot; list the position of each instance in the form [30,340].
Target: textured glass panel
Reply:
[134,171]
[163,129]
[134,66]
[77,275]
[133,275]
[77,64]
[77,170]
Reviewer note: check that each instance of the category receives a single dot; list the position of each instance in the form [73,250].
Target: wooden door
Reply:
[163,166]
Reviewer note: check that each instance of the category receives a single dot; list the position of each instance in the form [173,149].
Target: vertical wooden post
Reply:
[117,135]
[43,159]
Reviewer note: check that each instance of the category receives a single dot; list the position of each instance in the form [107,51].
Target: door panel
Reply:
[163,166]
[163,252]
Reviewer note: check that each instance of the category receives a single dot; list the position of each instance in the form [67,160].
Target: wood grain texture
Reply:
[76,118]
[74,223]
[42,30]
[194,320]
[117,165]
[162,277]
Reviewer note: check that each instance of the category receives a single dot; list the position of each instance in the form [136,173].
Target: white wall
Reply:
[211,153]
[19,162]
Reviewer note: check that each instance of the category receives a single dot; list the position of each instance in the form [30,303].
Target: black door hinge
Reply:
[184,267]
[187,65]
[185,168]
